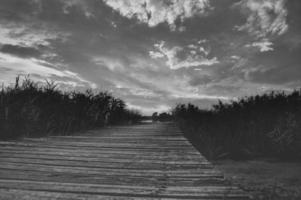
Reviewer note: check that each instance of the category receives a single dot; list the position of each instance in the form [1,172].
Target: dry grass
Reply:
[265,179]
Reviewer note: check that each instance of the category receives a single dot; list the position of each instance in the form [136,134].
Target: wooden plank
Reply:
[146,156]
[115,190]
[97,146]
[116,150]
[118,138]
[148,161]
[124,160]
[100,145]
[108,179]
[109,164]
[113,155]
[104,171]
[44,158]
[43,195]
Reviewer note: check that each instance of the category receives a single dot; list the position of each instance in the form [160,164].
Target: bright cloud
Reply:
[192,57]
[154,12]
[20,66]
[154,54]
[200,96]
[143,92]
[264,17]
[263,45]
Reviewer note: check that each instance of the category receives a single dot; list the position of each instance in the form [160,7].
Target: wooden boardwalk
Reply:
[149,161]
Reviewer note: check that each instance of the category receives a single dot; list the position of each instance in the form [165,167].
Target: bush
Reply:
[162,117]
[32,109]
[262,125]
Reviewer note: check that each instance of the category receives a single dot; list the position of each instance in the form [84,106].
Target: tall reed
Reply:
[32,109]
[261,125]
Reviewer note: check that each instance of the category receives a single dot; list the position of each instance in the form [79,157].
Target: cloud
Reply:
[263,45]
[235,57]
[23,66]
[26,36]
[191,62]
[69,4]
[199,79]
[81,42]
[20,51]
[143,92]
[154,12]
[200,96]
[169,53]
[180,57]
[111,64]
[154,54]
[264,17]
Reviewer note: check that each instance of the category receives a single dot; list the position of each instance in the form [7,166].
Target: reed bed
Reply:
[255,126]
[33,109]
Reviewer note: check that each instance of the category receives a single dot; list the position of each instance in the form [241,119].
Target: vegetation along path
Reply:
[148,161]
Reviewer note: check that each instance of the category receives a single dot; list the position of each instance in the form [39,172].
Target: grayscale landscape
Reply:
[150,99]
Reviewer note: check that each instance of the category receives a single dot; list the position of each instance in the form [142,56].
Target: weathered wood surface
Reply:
[149,161]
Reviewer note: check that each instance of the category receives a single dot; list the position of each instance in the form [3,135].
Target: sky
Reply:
[154,54]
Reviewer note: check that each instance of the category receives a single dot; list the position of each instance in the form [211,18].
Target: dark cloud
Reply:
[15,10]
[25,52]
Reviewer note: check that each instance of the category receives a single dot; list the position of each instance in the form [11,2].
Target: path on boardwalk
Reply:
[148,161]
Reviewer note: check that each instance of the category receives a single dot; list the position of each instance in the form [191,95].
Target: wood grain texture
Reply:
[147,161]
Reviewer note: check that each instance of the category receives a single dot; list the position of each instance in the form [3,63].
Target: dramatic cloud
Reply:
[264,17]
[154,12]
[155,54]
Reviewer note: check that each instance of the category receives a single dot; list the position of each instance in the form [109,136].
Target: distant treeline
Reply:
[162,117]
[262,125]
[32,109]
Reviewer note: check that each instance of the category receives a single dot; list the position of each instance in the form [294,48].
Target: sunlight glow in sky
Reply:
[153,53]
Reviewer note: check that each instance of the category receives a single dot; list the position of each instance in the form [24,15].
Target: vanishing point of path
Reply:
[149,161]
